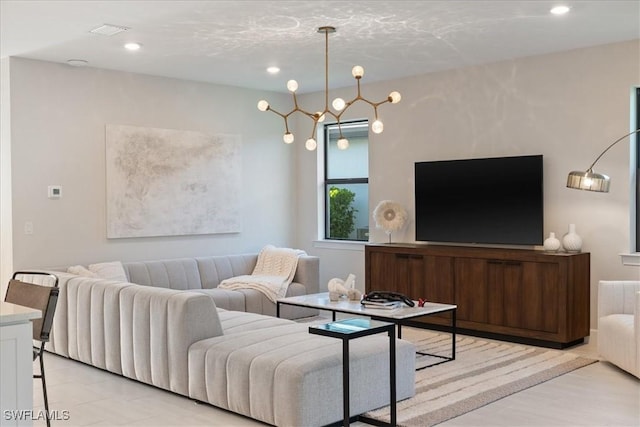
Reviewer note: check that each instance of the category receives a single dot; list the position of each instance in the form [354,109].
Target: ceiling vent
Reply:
[108,30]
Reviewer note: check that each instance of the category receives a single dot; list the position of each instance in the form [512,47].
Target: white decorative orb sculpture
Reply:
[292,85]
[338,104]
[343,143]
[288,138]
[263,105]
[395,97]
[311,144]
[377,126]
[357,72]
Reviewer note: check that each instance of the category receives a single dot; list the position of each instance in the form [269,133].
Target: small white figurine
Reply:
[338,287]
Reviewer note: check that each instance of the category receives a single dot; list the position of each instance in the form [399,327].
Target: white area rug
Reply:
[483,372]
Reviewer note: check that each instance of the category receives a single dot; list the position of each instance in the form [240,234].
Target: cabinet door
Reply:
[523,295]
[409,274]
[471,289]
[505,293]
[415,275]
[541,296]
[382,272]
[437,280]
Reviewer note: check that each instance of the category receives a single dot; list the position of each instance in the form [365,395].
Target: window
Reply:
[346,182]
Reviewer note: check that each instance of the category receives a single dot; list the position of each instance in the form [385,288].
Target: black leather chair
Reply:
[43,297]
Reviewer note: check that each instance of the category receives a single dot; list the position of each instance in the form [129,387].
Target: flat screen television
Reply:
[492,200]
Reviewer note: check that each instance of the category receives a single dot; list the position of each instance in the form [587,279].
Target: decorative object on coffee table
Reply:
[338,287]
[572,242]
[390,216]
[552,243]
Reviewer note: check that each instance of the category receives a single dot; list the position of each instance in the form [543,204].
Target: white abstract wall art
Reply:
[163,182]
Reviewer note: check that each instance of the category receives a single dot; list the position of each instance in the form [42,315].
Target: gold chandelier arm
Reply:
[609,147]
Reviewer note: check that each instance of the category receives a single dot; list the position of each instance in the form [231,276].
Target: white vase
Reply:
[552,243]
[571,242]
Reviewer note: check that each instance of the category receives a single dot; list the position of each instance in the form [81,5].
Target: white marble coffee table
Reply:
[398,316]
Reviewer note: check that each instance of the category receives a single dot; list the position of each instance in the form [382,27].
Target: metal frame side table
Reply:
[350,329]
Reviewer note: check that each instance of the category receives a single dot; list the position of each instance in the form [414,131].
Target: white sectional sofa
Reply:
[169,330]
[619,323]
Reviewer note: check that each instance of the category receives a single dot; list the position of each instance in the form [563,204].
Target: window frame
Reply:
[328,182]
[636,157]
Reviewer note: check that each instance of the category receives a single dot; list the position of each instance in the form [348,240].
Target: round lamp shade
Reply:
[589,180]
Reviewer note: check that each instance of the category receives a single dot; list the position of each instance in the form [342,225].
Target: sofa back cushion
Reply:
[215,269]
[181,274]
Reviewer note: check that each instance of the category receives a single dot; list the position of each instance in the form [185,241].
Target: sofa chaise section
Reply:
[278,373]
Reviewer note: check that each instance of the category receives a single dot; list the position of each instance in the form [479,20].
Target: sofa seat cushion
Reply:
[257,302]
[225,298]
[234,321]
[284,376]
[616,341]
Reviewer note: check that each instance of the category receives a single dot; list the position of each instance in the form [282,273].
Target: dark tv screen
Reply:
[493,200]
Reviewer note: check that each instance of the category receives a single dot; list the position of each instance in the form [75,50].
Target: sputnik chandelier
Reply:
[339,104]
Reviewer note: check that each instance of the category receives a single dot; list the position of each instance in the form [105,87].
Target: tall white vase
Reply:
[571,242]
[551,243]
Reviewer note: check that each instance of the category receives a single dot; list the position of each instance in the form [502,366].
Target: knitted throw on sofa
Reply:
[272,274]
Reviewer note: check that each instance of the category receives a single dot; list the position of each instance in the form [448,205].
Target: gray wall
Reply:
[567,106]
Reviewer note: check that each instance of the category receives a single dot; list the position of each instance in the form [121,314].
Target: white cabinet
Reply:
[16,364]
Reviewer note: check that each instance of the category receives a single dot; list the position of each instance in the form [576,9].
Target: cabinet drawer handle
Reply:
[513,263]
[493,261]
[402,256]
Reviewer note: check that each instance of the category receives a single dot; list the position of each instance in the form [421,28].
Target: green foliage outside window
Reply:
[341,212]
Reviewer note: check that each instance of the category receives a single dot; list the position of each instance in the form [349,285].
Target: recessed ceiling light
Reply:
[77,62]
[559,10]
[132,46]
[273,70]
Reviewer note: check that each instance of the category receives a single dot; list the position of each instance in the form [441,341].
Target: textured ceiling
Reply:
[232,42]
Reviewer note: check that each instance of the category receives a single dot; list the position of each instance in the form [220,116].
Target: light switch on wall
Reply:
[54,191]
[28,227]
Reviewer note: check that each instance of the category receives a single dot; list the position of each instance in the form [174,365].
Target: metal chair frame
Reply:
[45,330]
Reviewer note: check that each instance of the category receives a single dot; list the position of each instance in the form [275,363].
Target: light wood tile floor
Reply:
[597,395]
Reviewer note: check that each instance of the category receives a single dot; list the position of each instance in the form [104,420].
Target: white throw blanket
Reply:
[272,275]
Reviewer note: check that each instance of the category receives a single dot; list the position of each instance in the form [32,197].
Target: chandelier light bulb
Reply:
[338,104]
[311,144]
[377,126]
[343,143]
[395,97]
[357,72]
[292,85]
[319,116]
[263,105]
[288,138]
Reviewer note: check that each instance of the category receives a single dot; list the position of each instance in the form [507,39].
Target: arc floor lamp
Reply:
[590,180]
